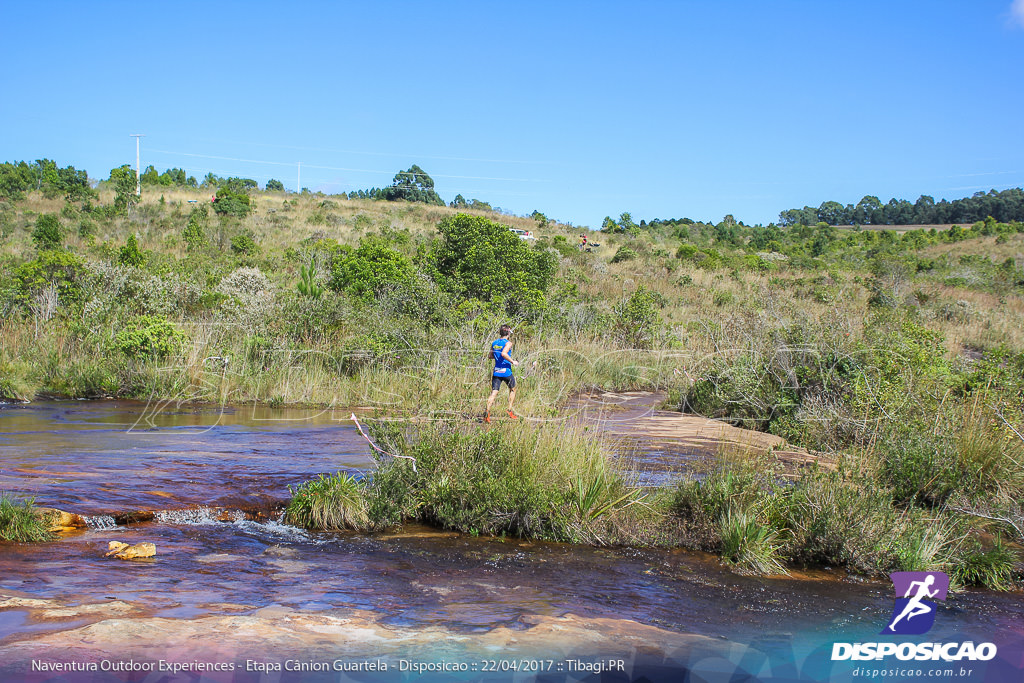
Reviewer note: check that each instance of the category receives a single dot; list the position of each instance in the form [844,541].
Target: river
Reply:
[214,477]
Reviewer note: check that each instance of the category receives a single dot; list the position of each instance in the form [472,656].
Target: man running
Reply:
[502,372]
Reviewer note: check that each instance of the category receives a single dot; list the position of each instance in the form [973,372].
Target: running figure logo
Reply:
[915,608]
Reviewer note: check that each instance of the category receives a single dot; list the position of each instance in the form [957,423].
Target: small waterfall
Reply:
[100,522]
[194,516]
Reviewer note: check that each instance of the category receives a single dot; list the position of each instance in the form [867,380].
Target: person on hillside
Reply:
[502,372]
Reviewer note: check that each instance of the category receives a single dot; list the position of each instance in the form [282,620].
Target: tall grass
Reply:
[328,503]
[21,522]
[511,479]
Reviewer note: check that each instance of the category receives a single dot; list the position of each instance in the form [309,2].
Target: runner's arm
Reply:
[504,354]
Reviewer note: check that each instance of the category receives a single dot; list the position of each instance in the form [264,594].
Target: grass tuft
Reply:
[22,523]
[328,503]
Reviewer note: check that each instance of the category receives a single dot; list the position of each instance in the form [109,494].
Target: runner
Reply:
[502,372]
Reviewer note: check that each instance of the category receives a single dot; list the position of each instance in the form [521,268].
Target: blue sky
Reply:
[577,109]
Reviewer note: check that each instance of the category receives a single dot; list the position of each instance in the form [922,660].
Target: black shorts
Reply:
[496,382]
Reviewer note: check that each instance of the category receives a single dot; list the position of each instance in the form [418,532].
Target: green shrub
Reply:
[22,523]
[130,254]
[723,298]
[232,202]
[149,336]
[194,233]
[328,503]
[58,267]
[638,320]
[624,253]
[477,258]
[510,479]
[368,268]
[48,234]
[244,244]
[750,544]
[993,568]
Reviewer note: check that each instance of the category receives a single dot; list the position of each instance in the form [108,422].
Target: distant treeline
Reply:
[1005,206]
[19,177]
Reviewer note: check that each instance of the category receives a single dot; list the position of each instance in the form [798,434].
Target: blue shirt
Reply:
[502,367]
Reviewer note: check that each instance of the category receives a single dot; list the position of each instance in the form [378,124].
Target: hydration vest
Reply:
[502,367]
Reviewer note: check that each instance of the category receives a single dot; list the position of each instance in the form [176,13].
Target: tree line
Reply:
[1004,206]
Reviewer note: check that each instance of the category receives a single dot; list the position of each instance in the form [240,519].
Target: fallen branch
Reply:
[378,448]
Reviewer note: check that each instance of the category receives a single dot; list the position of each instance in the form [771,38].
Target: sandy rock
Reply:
[61,520]
[123,551]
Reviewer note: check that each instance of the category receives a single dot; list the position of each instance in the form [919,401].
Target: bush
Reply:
[232,202]
[624,253]
[638,320]
[194,234]
[149,336]
[244,244]
[511,479]
[49,234]
[369,268]
[22,523]
[328,503]
[480,259]
[57,267]
[130,255]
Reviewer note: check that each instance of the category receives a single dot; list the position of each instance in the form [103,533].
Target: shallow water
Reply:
[214,478]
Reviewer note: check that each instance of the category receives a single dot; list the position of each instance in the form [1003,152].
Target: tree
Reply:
[130,254]
[48,233]
[831,213]
[481,259]
[274,185]
[231,202]
[542,220]
[459,202]
[123,179]
[369,268]
[414,185]
[194,235]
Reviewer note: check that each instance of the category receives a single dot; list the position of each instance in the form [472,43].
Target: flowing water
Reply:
[213,480]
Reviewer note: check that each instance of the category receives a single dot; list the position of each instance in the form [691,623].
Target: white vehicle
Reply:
[523,234]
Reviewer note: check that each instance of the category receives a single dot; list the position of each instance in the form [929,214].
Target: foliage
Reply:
[1004,206]
[172,177]
[518,480]
[478,258]
[414,185]
[369,268]
[328,503]
[17,178]
[130,254]
[21,523]
[194,233]
[49,234]
[638,320]
[274,185]
[124,182]
[60,268]
[231,201]
[308,285]
[624,253]
[244,244]
[149,336]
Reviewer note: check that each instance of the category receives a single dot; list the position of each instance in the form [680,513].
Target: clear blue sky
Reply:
[576,109]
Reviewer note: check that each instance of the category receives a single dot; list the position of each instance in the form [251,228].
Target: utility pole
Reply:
[138,176]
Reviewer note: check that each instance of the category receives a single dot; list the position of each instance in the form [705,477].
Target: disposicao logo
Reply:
[914,614]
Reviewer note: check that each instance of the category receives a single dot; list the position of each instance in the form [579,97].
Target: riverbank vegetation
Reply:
[898,353]
[20,522]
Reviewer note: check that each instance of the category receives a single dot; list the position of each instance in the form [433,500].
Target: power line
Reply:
[343,168]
